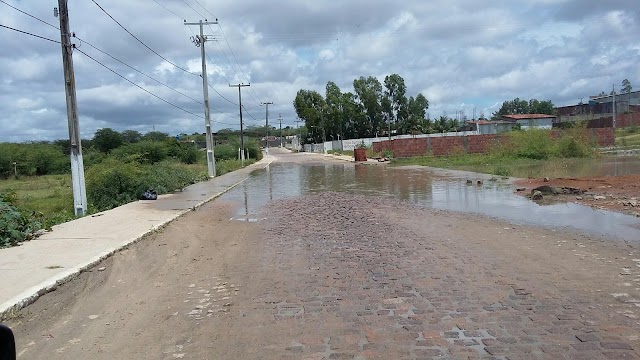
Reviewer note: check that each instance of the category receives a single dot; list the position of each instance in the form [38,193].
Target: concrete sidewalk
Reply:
[39,266]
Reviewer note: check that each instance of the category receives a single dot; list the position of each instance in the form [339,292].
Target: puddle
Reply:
[495,199]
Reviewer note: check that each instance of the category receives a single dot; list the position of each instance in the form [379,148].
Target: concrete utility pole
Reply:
[280,120]
[199,42]
[298,121]
[240,86]
[613,92]
[77,165]
[267,124]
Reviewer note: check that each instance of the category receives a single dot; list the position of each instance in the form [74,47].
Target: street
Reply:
[343,274]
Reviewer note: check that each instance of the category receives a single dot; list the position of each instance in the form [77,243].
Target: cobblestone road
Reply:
[342,276]
[363,277]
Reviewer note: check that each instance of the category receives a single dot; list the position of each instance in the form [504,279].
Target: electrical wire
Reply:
[42,21]
[205,9]
[141,42]
[166,8]
[138,86]
[140,72]
[28,33]
[194,10]
[237,62]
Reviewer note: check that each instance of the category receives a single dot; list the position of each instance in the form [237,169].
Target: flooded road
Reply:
[286,178]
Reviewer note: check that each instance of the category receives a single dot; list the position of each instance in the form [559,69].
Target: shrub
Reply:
[531,144]
[145,152]
[15,225]
[115,182]
[225,152]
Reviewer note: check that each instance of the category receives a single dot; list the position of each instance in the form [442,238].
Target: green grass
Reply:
[50,195]
[628,140]
[506,166]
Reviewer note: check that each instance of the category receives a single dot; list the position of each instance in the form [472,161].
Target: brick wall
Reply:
[471,144]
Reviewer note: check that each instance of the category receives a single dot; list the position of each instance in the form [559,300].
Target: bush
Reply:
[575,142]
[225,152]
[145,152]
[531,144]
[15,225]
[115,182]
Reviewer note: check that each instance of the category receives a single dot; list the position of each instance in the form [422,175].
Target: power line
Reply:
[42,21]
[237,62]
[28,33]
[194,10]
[229,101]
[138,86]
[141,42]
[140,72]
[205,9]
[169,10]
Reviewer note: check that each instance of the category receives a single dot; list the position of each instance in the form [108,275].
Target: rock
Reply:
[578,197]
[546,190]
[536,195]
[469,182]
[546,179]
[479,182]
[599,197]
[521,189]
[102,268]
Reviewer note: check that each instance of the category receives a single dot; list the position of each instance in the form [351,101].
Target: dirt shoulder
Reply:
[615,193]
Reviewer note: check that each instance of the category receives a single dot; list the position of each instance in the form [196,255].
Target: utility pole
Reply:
[240,86]
[77,165]
[280,120]
[267,123]
[613,92]
[298,121]
[199,42]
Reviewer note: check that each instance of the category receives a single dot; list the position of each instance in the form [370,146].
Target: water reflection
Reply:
[496,199]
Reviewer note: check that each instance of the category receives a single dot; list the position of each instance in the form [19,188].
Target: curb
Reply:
[29,296]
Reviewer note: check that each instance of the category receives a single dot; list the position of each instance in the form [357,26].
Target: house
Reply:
[527,121]
[485,127]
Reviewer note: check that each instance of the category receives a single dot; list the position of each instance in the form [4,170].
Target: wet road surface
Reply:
[323,267]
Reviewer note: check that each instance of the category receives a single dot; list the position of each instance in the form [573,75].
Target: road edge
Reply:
[10,307]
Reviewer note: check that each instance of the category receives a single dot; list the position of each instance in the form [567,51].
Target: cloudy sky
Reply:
[461,54]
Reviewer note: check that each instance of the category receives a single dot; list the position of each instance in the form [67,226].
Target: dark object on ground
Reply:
[360,154]
[546,179]
[550,190]
[536,195]
[7,344]
[469,182]
[149,195]
[521,189]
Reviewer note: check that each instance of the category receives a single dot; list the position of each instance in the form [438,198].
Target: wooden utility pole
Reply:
[267,124]
[77,165]
[240,86]
[199,42]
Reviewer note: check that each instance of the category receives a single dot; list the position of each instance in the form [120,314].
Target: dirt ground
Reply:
[621,193]
[341,276]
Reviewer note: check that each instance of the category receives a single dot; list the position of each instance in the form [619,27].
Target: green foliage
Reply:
[32,159]
[15,225]
[155,136]
[532,144]
[114,182]
[107,139]
[517,106]
[145,152]
[501,170]
[131,136]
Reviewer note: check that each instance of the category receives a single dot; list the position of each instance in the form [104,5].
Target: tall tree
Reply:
[396,91]
[416,110]
[131,136]
[333,117]
[355,119]
[369,92]
[626,86]
[518,106]
[309,107]
[107,139]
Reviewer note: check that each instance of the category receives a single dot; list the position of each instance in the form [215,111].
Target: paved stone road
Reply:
[366,277]
[341,276]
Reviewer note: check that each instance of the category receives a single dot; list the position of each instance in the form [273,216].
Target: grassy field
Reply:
[52,195]
[506,166]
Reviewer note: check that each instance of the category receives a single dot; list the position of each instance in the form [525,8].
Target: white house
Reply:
[527,121]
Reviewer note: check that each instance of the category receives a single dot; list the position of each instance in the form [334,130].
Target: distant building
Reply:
[600,106]
[485,127]
[529,121]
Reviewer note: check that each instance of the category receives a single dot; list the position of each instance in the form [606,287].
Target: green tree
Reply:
[309,107]
[131,136]
[334,119]
[626,86]
[155,136]
[369,93]
[107,139]
[354,117]
[396,91]
[518,106]
[417,109]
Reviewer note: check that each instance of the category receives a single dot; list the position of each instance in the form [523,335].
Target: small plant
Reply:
[361,146]
[387,154]
[15,225]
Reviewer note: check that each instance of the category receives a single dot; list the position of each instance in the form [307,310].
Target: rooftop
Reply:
[527,116]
